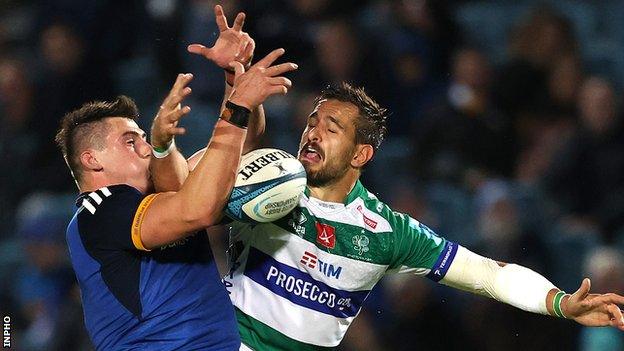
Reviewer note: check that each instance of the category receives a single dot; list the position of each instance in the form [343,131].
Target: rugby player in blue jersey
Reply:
[299,282]
[147,277]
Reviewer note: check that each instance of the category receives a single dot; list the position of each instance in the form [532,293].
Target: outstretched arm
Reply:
[594,310]
[528,290]
[233,45]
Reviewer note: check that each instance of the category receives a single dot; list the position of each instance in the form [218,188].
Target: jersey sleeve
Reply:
[419,250]
[112,217]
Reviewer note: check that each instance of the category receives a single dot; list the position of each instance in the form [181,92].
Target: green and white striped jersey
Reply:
[298,283]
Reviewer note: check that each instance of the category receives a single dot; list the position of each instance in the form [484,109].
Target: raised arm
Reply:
[234,45]
[163,218]
[166,159]
[523,288]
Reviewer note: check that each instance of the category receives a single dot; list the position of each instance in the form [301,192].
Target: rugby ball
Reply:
[268,186]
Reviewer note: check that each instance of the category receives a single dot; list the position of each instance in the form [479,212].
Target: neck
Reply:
[94,181]
[336,191]
[89,186]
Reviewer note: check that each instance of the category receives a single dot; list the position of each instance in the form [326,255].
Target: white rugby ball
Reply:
[268,186]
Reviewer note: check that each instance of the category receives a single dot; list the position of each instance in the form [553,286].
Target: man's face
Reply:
[126,155]
[328,142]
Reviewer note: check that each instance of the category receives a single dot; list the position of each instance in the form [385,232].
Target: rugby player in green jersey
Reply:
[298,283]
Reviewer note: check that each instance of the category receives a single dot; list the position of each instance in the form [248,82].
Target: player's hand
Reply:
[594,310]
[262,80]
[232,44]
[165,124]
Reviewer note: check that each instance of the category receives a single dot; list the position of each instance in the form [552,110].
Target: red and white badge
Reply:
[326,235]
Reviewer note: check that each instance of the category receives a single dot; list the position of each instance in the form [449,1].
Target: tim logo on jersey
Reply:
[326,235]
[312,261]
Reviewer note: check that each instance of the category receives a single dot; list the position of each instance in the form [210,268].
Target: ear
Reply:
[89,160]
[363,154]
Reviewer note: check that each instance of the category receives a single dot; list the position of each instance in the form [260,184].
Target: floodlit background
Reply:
[506,136]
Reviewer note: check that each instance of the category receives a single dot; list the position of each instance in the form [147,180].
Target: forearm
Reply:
[508,283]
[255,131]
[208,186]
[168,173]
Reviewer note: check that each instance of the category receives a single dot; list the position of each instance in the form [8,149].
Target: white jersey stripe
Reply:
[96,197]
[88,206]
[303,325]
[106,192]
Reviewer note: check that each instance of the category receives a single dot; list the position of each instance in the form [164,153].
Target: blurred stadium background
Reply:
[506,135]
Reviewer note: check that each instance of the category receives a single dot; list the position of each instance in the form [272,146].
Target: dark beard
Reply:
[325,176]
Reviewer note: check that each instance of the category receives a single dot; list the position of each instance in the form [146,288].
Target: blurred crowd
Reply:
[506,135]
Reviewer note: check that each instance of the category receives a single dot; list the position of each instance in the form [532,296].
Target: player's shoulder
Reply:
[373,206]
[399,221]
[106,199]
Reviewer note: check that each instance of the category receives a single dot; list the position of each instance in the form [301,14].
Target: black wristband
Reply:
[236,115]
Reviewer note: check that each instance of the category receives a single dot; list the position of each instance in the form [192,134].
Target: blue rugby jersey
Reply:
[170,298]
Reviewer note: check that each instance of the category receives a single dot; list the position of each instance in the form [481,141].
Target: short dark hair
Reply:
[370,126]
[83,125]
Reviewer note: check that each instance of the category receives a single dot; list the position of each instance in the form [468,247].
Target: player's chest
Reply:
[346,234]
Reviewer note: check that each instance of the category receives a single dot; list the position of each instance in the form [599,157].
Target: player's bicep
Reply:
[194,159]
[161,219]
[420,250]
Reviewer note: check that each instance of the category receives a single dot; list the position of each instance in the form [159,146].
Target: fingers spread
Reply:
[197,49]
[220,17]
[173,116]
[280,81]
[176,131]
[179,112]
[615,315]
[239,21]
[278,89]
[281,69]
[178,92]
[613,299]
[252,88]
[181,81]
[592,296]
[270,58]
[177,98]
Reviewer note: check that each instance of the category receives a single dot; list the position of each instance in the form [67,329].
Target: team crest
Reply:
[326,235]
[360,244]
